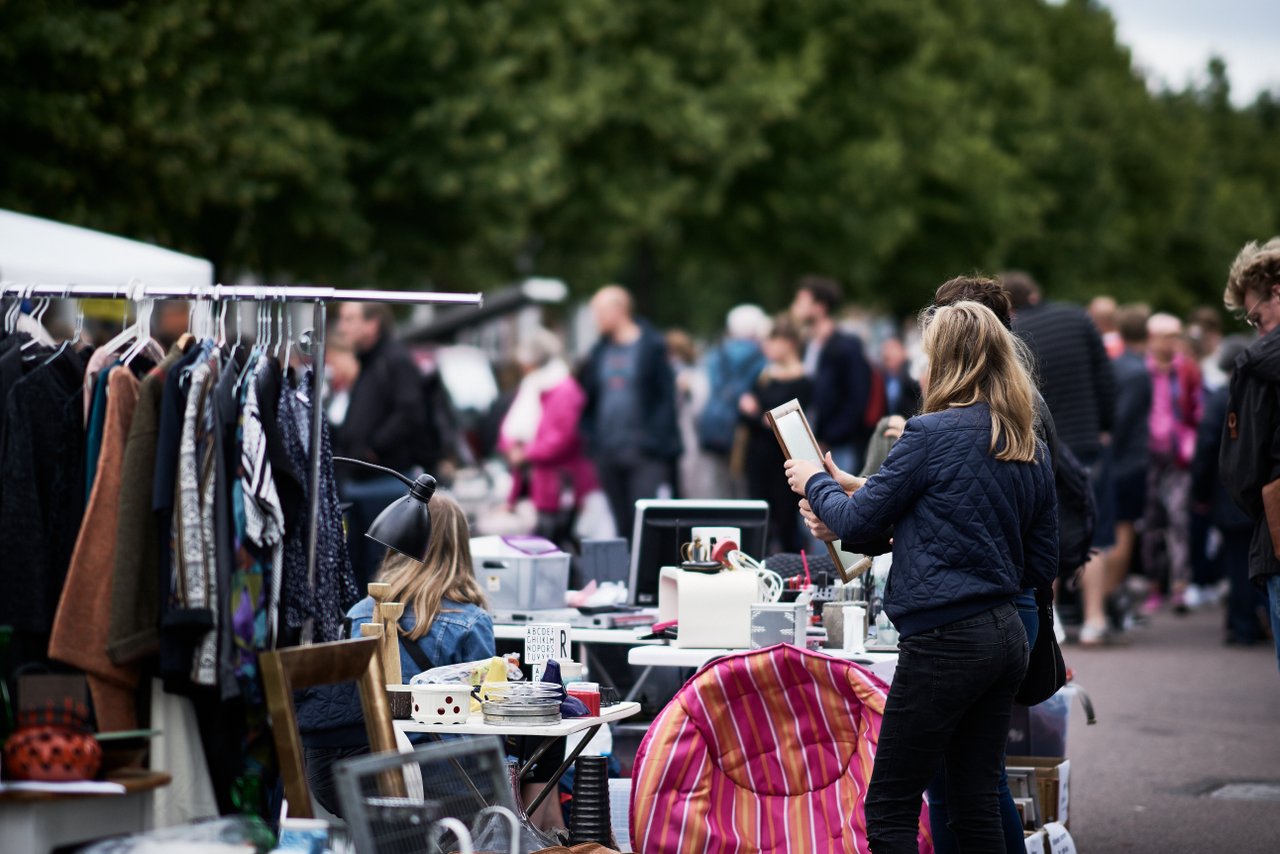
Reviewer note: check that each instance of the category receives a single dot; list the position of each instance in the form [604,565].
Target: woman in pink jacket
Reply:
[541,441]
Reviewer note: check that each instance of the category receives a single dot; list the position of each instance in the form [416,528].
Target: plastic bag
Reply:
[234,834]
[471,673]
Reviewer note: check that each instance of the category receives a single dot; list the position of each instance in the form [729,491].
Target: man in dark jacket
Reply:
[902,394]
[1250,456]
[630,417]
[1078,384]
[1245,602]
[386,423]
[386,417]
[841,375]
[1131,453]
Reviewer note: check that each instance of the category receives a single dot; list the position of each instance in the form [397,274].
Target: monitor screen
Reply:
[662,527]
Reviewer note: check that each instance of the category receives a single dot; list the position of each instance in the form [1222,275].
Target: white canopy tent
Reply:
[41,251]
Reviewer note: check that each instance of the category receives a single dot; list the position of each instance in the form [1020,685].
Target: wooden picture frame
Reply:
[795,436]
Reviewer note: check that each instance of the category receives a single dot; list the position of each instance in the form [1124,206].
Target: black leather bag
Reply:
[1046,672]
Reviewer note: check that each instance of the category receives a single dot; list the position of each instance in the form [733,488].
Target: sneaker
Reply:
[1091,635]
[1154,602]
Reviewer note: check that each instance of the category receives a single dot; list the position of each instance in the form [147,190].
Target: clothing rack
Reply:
[320,296]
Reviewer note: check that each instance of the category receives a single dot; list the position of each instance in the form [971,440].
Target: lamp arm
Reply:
[397,475]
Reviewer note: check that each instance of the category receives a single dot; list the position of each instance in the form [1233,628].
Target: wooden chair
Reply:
[287,670]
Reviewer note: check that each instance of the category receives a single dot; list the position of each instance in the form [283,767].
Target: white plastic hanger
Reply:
[135,291]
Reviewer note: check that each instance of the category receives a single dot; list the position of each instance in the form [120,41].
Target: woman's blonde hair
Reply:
[972,359]
[445,572]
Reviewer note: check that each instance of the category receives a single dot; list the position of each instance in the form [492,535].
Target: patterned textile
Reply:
[319,604]
[193,530]
[259,529]
[762,751]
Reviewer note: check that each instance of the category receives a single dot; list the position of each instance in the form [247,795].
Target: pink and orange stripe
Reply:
[762,751]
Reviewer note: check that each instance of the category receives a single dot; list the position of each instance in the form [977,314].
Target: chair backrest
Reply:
[771,749]
[287,670]
[463,778]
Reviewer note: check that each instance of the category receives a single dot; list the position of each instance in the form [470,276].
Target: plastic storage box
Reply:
[520,572]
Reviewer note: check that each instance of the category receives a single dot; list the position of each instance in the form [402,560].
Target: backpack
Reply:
[1077,511]
[717,423]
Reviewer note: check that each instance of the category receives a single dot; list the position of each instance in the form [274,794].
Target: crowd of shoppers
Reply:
[1139,399]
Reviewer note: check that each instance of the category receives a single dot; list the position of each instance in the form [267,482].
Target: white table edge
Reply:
[618,637]
[475,724]
[671,656]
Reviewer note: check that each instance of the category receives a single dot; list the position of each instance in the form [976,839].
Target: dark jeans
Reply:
[944,841]
[950,700]
[1246,602]
[625,483]
[320,762]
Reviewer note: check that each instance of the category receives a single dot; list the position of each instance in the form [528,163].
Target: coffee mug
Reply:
[695,551]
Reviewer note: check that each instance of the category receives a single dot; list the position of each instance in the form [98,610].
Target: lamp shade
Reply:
[405,524]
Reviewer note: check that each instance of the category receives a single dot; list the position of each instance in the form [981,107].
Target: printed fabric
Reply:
[317,604]
[194,541]
[259,537]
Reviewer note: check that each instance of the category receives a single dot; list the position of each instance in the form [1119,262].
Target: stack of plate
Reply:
[522,703]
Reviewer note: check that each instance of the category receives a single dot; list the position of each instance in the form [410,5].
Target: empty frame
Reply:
[794,434]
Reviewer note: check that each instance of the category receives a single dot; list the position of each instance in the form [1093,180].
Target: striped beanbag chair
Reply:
[762,751]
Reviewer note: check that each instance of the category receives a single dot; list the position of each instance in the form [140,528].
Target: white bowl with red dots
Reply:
[441,704]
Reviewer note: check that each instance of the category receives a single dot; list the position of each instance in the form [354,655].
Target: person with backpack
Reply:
[732,367]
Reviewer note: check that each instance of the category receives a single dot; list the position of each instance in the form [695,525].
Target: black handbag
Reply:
[1046,672]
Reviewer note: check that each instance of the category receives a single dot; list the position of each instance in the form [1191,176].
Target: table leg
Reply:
[555,780]
[635,689]
[597,671]
[537,754]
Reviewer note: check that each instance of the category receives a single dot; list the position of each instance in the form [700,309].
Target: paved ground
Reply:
[1179,714]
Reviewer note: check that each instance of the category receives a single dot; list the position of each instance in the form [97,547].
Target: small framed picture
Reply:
[794,434]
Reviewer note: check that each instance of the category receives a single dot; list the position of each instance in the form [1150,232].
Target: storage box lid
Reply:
[527,547]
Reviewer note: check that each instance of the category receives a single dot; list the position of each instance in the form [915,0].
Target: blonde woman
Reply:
[444,623]
[968,493]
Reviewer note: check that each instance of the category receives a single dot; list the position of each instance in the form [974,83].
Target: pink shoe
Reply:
[1153,604]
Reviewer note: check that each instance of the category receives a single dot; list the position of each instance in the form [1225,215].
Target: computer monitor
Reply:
[663,526]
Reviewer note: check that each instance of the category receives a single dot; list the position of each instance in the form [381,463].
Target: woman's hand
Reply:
[748,405]
[515,455]
[814,524]
[849,483]
[798,474]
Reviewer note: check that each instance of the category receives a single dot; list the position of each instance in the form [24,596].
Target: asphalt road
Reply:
[1179,714]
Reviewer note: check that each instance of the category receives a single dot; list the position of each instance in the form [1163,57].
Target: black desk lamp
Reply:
[405,525]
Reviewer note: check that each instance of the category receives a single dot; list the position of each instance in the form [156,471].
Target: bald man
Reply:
[1176,405]
[630,418]
[1102,311]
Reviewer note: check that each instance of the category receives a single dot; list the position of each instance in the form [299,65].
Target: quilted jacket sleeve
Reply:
[1040,545]
[871,511]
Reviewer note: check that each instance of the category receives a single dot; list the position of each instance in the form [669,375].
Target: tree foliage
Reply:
[705,153]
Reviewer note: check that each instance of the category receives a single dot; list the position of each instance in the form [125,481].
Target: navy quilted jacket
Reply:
[969,531]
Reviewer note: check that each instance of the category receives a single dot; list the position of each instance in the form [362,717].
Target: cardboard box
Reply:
[1053,784]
